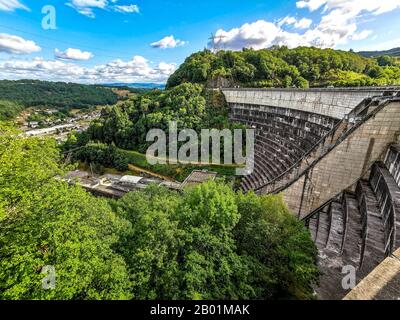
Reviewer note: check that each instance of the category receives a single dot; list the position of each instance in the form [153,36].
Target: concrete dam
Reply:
[334,154]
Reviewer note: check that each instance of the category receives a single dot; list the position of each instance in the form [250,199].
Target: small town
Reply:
[58,128]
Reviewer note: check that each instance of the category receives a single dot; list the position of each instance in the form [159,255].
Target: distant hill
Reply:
[60,95]
[137,85]
[395,52]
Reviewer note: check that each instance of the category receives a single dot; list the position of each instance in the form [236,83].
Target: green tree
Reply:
[281,250]
[384,61]
[211,243]
[46,222]
[9,109]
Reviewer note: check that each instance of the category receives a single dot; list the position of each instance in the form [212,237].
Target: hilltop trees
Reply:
[282,67]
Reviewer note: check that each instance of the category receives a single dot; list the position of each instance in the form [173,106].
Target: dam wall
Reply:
[334,103]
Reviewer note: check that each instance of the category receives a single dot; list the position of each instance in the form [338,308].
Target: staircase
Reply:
[358,228]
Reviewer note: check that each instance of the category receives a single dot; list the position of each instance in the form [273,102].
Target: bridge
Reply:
[334,156]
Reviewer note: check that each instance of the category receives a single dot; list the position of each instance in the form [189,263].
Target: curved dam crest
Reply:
[334,103]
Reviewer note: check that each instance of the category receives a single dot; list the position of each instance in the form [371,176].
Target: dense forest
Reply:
[35,93]
[282,67]
[207,243]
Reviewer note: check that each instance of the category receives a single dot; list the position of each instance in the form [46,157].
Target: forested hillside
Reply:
[282,67]
[61,95]
[127,124]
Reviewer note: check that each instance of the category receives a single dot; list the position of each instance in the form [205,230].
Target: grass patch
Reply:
[177,172]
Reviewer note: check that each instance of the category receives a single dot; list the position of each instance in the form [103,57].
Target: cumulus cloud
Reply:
[339,20]
[256,35]
[338,24]
[138,69]
[168,42]
[86,7]
[303,23]
[73,54]
[11,5]
[17,45]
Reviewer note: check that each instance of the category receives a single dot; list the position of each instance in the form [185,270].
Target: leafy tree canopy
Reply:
[46,222]
[211,243]
[282,67]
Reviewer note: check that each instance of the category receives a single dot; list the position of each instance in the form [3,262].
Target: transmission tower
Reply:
[217,42]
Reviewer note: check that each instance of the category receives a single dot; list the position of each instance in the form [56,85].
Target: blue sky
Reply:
[145,40]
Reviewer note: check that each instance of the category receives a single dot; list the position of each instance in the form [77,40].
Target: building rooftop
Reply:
[131,179]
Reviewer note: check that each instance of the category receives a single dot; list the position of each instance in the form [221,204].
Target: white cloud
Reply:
[303,23]
[86,7]
[338,24]
[17,45]
[347,6]
[168,42]
[11,5]
[312,5]
[138,69]
[256,35]
[133,8]
[287,20]
[73,54]
[362,35]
